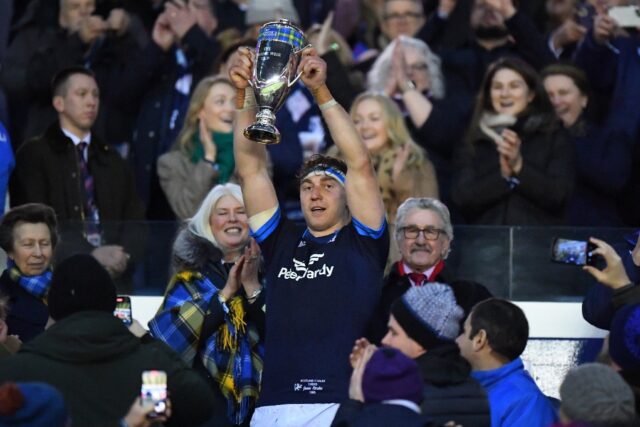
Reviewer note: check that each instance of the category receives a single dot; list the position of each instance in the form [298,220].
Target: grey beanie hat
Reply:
[262,11]
[429,314]
[595,393]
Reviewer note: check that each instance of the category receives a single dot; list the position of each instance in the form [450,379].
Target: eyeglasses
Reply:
[399,16]
[430,233]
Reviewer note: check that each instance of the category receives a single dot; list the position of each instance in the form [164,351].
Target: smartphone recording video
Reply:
[575,252]
[154,390]
[123,309]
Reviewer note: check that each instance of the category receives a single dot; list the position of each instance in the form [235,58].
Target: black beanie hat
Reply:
[80,283]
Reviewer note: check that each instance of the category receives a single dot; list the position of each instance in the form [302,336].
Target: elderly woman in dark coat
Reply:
[28,234]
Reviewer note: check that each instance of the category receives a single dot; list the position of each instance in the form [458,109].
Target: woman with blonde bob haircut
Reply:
[212,310]
[203,153]
[402,166]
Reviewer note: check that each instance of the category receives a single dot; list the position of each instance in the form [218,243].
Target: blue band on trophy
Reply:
[283,34]
[327,171]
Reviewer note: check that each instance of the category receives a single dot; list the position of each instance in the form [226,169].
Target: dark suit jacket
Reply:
[47,171]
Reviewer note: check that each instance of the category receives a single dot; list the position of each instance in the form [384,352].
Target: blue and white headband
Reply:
[327,171]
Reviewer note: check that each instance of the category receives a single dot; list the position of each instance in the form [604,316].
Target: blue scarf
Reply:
[38,286]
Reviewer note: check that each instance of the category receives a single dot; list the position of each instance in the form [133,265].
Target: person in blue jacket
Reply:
[7,163]
[495,335]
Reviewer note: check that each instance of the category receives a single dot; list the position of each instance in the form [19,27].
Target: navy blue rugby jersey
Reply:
[321,294]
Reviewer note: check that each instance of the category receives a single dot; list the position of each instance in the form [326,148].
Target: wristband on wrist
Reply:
[322,94]
[328,104]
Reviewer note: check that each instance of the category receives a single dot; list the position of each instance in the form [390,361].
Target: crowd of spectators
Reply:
[309,283]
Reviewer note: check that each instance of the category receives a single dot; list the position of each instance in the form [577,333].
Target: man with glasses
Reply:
[423,234]
[401,18]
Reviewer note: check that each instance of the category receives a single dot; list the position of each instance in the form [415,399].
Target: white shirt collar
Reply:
[75,139]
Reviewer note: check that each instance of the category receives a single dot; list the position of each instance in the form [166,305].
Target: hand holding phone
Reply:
[138,415]
[154,391]
[613,275]
[123,309]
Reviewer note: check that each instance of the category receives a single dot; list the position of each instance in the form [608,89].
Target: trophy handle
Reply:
[291,83]
[297,77]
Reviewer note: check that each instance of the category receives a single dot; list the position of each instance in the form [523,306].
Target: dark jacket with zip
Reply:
[451,394]
[97,364]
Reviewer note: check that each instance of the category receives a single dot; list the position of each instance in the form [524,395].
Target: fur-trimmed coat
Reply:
[193,317]
[194,253]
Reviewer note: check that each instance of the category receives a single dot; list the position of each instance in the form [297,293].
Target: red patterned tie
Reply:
[418,279]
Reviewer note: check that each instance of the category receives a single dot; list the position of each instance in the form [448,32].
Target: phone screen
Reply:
[123,309]
[154,390]
[576,252]
[626,16]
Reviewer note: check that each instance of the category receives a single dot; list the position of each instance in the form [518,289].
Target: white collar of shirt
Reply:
[76,140]
[402,402]
[408,270]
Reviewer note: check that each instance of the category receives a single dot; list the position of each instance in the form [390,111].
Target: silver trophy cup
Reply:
[278,53]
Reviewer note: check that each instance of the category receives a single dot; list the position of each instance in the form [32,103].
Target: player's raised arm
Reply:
[362,191]
[251,157]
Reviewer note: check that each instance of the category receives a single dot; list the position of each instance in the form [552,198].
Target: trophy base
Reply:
[262,134]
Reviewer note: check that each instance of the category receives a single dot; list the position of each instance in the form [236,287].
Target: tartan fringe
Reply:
[236,325]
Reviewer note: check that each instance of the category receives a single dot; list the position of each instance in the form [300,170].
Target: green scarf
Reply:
[224,157]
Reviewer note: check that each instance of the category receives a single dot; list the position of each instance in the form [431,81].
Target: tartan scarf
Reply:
[232,355]
[38,286]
